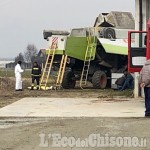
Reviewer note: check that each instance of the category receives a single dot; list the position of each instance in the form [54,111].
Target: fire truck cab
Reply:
[138,52]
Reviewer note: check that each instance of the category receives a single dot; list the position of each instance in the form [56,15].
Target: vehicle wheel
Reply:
[69,81]
[109,33]
[99,80]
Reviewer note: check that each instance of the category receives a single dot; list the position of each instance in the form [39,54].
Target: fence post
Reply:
[136,85]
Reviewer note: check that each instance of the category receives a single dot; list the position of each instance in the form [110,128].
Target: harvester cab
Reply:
[55,56]
[56,40]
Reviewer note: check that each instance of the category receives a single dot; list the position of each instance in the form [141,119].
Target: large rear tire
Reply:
[69,81]
[99,80]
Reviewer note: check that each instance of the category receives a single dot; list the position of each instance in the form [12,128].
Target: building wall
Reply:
[3,63]
[23,65]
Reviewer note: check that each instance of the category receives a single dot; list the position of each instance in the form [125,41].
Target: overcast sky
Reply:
[22,21]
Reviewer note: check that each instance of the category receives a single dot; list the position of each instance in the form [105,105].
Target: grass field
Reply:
[10,73]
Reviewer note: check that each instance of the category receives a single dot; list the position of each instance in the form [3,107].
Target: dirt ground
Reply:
[25,133]
[8,94]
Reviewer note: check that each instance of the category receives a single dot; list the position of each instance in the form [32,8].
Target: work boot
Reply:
[31,87]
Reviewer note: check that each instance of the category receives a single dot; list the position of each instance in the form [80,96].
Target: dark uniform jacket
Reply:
[120,81]
[36,71]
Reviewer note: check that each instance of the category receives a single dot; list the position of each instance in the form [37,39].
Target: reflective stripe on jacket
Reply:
[36,71]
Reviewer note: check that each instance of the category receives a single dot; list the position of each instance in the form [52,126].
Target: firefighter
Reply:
[18,72]
[36,74]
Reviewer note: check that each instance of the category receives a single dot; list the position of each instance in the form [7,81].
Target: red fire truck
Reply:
[140,51]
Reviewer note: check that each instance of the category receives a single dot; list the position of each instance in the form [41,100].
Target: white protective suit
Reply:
[18,72]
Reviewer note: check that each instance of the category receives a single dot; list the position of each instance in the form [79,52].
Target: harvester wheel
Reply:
[69,81]
[99,80]
[109,33]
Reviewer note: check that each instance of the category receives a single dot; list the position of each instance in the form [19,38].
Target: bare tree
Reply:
[20,57]
[30,53]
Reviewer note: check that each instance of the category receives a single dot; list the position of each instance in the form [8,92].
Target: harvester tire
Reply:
[69,81]
[99,80]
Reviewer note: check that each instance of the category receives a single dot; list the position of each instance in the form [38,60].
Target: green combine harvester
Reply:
[92,54]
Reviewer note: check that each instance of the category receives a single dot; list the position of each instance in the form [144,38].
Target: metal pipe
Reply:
[140,22]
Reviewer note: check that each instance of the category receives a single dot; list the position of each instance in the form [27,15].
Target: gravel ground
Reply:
[32,133]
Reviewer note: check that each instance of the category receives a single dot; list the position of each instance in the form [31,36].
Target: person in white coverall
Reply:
[18,72]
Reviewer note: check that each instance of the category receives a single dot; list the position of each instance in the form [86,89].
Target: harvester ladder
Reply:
[87,59]
[47,69]
[61,71]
